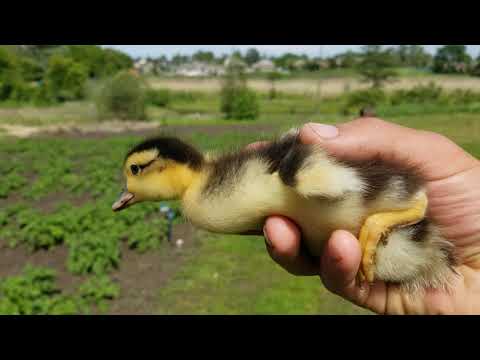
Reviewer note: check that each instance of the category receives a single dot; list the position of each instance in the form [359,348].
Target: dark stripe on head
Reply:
[172,149]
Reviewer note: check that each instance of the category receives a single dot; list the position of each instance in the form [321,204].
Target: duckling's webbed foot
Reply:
[378,226]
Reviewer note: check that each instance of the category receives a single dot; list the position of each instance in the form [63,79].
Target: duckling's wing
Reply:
[309,170]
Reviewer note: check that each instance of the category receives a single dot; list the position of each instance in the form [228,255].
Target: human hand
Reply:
[452,177]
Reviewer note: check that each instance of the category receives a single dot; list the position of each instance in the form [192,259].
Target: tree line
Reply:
[447,59]
[55,73]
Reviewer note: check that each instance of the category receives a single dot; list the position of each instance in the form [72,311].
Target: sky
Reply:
[311,50]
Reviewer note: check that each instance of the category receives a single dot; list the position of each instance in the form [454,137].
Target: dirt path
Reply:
[104,130]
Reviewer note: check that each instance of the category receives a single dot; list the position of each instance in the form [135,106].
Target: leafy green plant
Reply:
[144,238]
[91,253]
[34,293]
[11,182]
[98,291]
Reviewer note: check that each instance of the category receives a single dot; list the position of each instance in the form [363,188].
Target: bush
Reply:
[160,98]
[185,96]
[364,98]
[418,94]
[65,79]
[244,105]
[463,97]
[237,101]
[123,97]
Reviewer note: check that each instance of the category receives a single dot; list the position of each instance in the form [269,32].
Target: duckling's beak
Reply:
[124,201]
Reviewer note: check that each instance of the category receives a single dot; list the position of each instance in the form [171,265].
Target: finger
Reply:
[370,138]
[338,271]
[340,263]
[284,246]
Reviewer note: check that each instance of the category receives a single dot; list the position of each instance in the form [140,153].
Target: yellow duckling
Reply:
[385,206]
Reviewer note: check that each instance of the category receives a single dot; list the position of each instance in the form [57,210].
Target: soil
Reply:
[140,276]
[110,129]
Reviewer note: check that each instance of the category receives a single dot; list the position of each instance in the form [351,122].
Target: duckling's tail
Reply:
[417,257]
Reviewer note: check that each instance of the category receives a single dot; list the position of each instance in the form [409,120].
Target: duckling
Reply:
[233,193]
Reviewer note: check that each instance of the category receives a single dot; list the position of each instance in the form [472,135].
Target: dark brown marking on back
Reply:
[419,231]
[377,175]
[285,155]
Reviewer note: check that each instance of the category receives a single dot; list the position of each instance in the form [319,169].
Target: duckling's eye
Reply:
[135,169]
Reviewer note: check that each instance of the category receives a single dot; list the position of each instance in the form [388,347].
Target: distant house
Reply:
[323,64]
[299,64]
[264,66]
[144,66]
[234,61]
[199,69]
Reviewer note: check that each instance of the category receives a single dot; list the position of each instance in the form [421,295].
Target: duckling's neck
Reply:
[185,177]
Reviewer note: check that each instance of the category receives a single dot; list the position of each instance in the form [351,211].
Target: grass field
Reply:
[326,86]
[55,197]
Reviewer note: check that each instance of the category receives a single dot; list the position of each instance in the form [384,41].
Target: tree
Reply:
[288,60]
[9,74]
[452,59]
[204,56]
[311,65]
[476,69]
[179,60]
[348,59]
[237,101]
[413,55]
[273,77]
[65,79]
[99,62]
[377,65]
[252,56]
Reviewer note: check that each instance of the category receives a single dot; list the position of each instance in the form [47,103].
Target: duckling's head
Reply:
[158,169]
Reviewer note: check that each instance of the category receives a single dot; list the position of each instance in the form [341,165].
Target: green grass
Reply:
[234,275]
[225,274]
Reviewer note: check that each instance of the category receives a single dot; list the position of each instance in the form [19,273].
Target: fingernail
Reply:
[267,240]
[324,131]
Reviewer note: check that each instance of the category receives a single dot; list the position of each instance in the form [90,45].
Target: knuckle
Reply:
[436,137]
